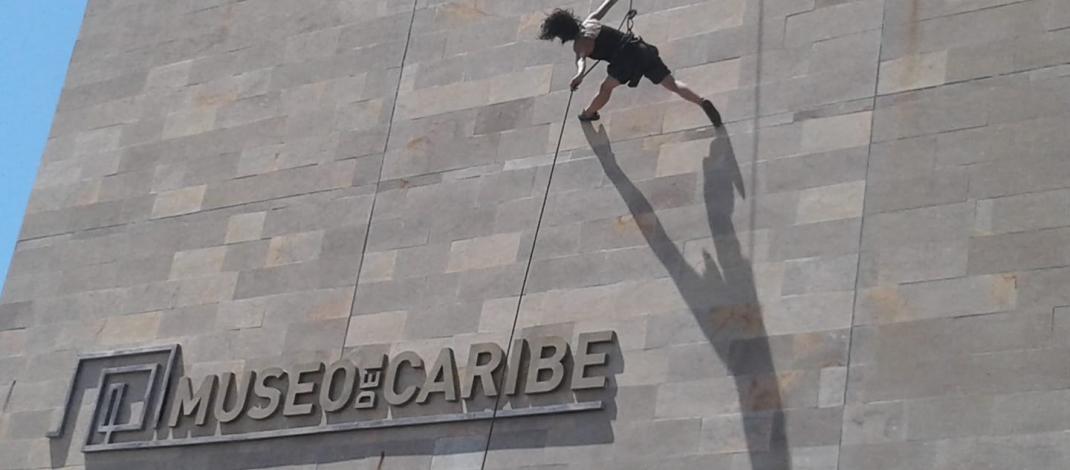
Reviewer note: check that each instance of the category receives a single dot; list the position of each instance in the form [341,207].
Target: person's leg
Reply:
[681,88]
[604,92]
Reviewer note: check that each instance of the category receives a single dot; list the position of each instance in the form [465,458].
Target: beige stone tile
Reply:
[681,115]
[832,387]
[361,115]
[207,289]
[12,342]
[259,160]
[532,81]
[838,201]
[974,295]
[241,314]
[330,304]
[178,202]
[497,315]
[130,329]
[294,248]
[631,123]
[245,227]
[483,252]
[712,78]
[837,132]
[377,328]
[97,140]
[699,398]
[189,122]
[441,99]
[725,434]
[192,263]
[808,313]
[63,172]
[683,157]
[644,367]
[704,17]
[572,138]
[170,76]
[913,72]
[378,266]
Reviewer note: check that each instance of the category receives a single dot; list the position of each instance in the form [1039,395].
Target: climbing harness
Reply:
[629,20]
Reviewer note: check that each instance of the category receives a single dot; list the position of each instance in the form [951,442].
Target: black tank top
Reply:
[607,43]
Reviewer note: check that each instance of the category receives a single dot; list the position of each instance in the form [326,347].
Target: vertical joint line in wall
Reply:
[861,231]
[378,180]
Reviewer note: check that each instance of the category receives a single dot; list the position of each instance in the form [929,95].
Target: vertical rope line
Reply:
[534,240]
[524,283]
[861,232]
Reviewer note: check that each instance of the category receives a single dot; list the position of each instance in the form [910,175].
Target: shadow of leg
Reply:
[723,299]
[748,356]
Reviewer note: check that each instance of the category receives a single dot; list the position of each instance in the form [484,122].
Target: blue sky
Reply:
[36,40]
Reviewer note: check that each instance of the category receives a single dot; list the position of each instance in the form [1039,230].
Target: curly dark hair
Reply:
[561,24]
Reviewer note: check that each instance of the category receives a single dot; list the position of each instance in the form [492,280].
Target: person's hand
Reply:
[575,83]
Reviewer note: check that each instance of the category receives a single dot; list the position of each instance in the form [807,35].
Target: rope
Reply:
[527,270]
[629,19]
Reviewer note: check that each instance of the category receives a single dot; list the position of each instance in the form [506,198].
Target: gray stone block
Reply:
[325,335]
[918,226]
[940,187]
[831,238]
[819,274]
[15,315]
[1019,251]
[1027,212]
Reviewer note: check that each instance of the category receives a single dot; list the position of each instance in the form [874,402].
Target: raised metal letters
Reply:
[552,363]
[331,403]
[241,394]
[299,387]
[370,379]
[393,397]
[190,402]
[541,364]
[582,358]
[271,394]
[482,371]
[441,378]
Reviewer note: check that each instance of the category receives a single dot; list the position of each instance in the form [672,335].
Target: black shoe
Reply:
[712,113]
[589,118]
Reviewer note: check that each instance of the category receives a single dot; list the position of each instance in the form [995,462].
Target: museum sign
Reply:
[138,404]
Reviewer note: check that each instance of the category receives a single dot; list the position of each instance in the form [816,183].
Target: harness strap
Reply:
[629,21]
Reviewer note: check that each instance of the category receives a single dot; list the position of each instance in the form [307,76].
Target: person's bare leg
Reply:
[681,88]
[685,92]
[605,90]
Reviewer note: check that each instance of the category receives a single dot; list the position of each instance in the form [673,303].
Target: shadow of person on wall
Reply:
[723,298]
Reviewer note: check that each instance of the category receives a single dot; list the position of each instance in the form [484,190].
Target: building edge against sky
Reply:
[39,38]
[328,234]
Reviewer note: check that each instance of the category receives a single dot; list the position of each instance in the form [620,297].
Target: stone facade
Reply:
[868,269]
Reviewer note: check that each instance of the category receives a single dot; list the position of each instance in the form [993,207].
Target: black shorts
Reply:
[635,61]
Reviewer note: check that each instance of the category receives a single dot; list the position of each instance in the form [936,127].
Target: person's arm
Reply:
[581,67]
[602,10]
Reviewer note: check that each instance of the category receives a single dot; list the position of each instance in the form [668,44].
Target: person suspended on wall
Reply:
[629,57]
